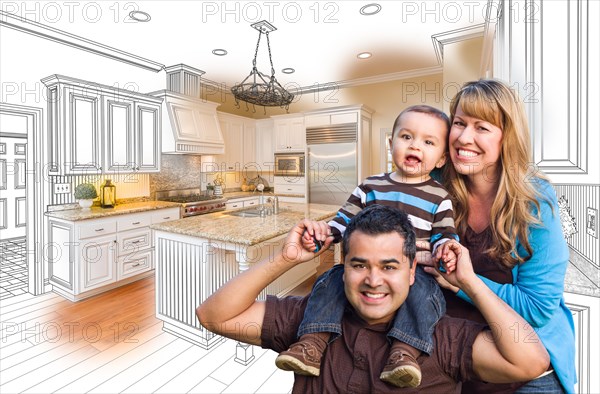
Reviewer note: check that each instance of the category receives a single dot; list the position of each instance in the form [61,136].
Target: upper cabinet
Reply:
[99,129]
[239,134]
[562,96]
[290,133]
[265,144]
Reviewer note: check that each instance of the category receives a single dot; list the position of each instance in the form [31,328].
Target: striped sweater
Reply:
[427,205]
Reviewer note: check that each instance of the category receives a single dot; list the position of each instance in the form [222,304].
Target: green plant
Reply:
[85,191]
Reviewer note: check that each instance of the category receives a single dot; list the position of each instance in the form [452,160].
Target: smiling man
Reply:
[379,268]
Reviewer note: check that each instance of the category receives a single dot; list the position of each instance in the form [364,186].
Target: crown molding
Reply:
[452,36]
[62,37]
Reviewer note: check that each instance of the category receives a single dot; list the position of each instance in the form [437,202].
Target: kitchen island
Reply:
[196,255]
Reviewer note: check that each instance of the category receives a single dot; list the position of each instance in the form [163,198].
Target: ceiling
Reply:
[319,40]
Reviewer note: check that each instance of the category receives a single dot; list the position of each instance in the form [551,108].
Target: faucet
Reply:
[274,200]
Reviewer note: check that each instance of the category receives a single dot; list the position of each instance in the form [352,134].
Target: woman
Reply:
[507,217]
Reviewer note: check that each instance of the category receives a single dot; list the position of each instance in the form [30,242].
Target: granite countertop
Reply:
[240,194]
[77,214]
[222,226]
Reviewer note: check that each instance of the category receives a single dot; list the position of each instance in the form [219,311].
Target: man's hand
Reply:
[298,246]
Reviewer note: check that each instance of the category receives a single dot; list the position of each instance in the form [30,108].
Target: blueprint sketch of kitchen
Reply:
[130,54]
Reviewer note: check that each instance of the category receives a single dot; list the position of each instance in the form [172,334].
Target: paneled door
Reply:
[13,207]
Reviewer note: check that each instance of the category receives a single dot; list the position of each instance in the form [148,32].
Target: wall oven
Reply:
[289,164]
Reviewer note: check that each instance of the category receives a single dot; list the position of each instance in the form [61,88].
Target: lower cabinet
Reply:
[244,202]
[91,256]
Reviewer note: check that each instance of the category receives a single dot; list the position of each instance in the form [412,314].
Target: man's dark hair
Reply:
[380,219]
[422,109]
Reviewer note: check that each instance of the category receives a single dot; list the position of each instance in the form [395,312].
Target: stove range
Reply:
[192,201]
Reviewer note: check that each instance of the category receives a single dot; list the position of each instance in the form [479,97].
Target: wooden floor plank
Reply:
[143,367]
[112,362]
[36,378]
[67,376]
[169,370]
[194,374]
[130,354]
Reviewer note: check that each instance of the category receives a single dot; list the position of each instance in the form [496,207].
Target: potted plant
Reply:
[85,193]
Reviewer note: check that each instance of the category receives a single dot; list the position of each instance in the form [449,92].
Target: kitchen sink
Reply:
[247,213]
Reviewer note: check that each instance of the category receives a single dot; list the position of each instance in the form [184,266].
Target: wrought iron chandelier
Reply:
[259,88]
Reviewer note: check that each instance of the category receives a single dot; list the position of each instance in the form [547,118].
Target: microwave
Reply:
[289,164]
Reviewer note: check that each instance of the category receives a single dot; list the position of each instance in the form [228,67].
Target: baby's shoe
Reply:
[304,356]
[402,368]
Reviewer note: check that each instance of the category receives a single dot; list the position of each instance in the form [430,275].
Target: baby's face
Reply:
[418,146]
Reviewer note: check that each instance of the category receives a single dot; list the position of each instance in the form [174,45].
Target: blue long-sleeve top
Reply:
[537,289]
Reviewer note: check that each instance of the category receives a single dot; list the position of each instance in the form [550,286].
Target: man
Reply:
[379,267]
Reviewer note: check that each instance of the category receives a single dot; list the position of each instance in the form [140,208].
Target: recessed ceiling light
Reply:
[364,55]
[219,52]
[370,9]
[288,70]
[139,16]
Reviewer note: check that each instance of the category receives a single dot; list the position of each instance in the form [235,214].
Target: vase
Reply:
[86,204]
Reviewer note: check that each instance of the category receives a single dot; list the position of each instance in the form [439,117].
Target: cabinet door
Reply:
[83,133]
[233,136]
[98,262]
[118,123]
[297,135]
[60,255]
[147,133]
[281,128]
[265,146]
[249,146]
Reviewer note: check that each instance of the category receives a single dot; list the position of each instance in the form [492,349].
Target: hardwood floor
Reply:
[113,343]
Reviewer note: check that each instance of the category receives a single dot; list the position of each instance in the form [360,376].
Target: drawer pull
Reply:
[99,229]
[137,241]
[136,264]
[134,223]
[168,217]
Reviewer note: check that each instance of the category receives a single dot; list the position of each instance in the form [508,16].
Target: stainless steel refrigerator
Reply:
[332,161]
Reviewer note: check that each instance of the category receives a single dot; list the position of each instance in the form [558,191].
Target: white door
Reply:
[13,207]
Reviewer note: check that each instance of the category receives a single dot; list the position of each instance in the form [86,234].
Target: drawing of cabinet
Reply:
[94,128]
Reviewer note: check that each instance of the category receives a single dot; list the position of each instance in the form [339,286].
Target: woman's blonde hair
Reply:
[511,214]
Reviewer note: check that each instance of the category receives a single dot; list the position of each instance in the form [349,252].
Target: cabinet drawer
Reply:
[96,229]
[250,203]
[234,205]
[344,118]
[289,180]
[140,262]
[128,222]
[132,241]
[290,189]
[164,215]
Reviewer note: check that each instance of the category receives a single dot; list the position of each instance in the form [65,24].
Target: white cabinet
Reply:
[100,129]
[290,134]
[586,318]
[322,120]
[562,96]
[290,189]
[239,135]
[265,144]
[131,136]
[244,202]
[91,256]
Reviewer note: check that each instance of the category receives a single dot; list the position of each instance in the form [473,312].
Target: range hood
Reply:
[189,124]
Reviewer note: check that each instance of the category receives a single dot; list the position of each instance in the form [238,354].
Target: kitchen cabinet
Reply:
[290,189]
[562,96]
[265,144]
[586,317]
[323,120]
[238,203]
[100,129]
[290,133]
[239,135]
[88,257]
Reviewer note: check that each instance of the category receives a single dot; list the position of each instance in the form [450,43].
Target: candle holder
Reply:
[108,194]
